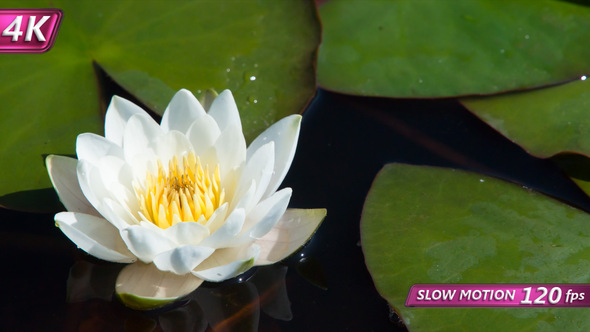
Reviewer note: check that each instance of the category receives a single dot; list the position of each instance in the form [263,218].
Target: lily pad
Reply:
[263,51]
[433,225]
[544,121]
[442,48]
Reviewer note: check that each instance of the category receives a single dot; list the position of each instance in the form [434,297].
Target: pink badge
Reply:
[28,30]
[499,295]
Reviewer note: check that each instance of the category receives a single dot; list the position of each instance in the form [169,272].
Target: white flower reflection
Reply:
[229,307]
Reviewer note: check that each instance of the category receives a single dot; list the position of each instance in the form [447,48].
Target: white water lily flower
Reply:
[185,199]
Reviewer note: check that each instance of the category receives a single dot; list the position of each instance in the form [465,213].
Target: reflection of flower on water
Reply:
[186,198]
[227,307]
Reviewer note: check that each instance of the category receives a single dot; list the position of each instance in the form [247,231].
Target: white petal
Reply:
[145,243]
[128,202]
[230,149]
[118,215]
[141,130]
[92,147]
[164,148]
[294,228]
[94,235]
[217,218]
[118,113]
[152,227]
[229,182]
[285,134]
[260,169]
[182,111]
[202,134]
[266,214]
[225,111]
[225,234]
[63,175]
[186,233]
[227,263]
[172,144]
[114,171]
[183,259]
[143,163]
[91,184]
[143,286]
[243,199]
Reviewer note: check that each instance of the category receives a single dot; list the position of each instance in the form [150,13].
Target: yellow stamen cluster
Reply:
[183,193]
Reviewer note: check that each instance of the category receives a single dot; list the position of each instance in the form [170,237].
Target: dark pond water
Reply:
[49,285]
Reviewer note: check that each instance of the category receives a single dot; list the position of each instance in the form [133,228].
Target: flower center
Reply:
[184,192]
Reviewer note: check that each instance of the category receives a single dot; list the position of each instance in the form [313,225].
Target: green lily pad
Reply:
[432,225]
[545,121]
[262,51]
[441,48]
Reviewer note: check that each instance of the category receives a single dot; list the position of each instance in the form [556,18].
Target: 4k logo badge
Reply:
[28,30]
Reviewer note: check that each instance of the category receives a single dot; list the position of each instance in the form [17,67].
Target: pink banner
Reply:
[499,295]
[28,30]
